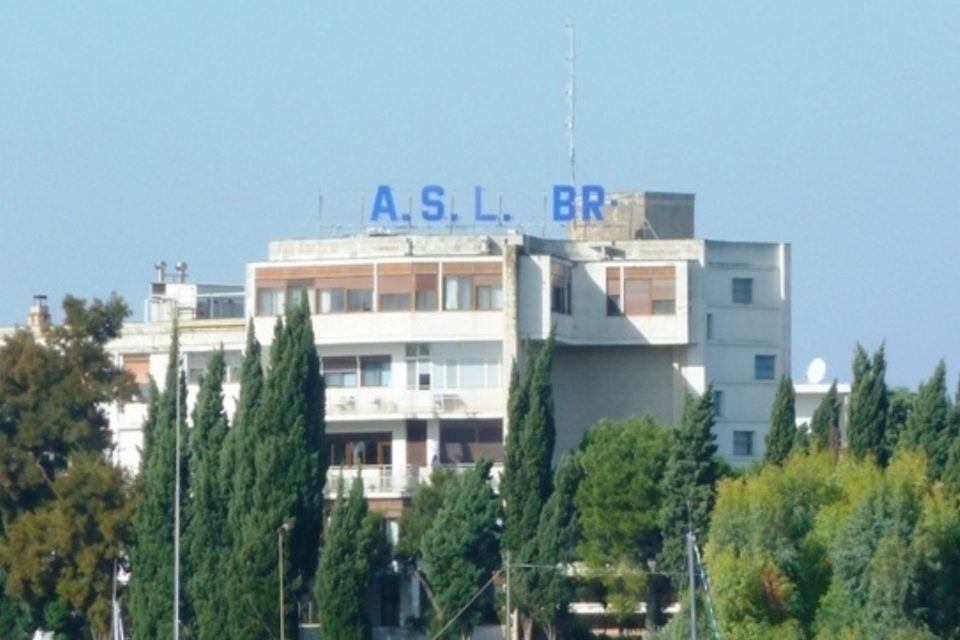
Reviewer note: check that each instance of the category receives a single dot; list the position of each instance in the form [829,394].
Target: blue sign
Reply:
[563,205]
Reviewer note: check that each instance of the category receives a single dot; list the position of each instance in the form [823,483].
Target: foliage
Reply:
[206,535]
[689,481]
[825,424]
[151,604]
[929,426]
[418,517]
[869,404]
[783,423]
[461,550]
[64,509]
[354,545]
[623,467]
[289,471]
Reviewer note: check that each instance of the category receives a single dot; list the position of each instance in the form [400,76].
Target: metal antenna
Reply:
[571,104]
[320,211]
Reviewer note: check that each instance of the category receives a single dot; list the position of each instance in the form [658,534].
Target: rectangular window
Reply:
[709,326]
[426,285]
[613,292]
[351,449]
[359,300]
[395,287]
[375,371]
[743,443]
[394,302]
[456,293]
[269,301]
[717,403]
[332,300]
[297,291]
[764,367]
[742,290]
[489,296]
[561,278]
[139,366]
[418,366]
[649,291]
[340,372]
[469,440]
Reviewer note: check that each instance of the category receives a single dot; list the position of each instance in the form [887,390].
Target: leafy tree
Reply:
[825,424]
[783,423]
[205,538]
[64,509]
[869,403]
[354,545]
[545,587]
[928,425]
[290,472]
[619,501]
[689,481]
[461,550]
[152,557]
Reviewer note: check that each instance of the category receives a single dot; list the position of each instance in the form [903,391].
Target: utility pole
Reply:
[693,587]
[176,493]
[509,611]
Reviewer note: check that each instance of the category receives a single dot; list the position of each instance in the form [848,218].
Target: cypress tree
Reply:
[290,471]
[461,549]
[825,424]
[689,480]
[928,425]
[511,486]
[869,404]
[152,557]
[206,533]
[783,424]
[354,546]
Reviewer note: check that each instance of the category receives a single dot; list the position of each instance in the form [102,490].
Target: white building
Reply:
[417,334]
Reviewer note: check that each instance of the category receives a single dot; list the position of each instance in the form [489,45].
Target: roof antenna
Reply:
[571,104]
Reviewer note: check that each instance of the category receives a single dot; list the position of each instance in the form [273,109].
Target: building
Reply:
[417,334]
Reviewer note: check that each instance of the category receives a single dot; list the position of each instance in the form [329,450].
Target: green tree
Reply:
[461,551]
[354,546]
[783,423]
[869,404]
[928,426]
[689,483]
[619,501]
[290,472]
[546,587]
[825,424]
[64,509]
[205,538]
[152,556]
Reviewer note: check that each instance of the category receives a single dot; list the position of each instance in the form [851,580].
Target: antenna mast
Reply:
[571,104]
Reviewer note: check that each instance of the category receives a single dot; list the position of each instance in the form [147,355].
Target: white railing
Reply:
[375,401]
[395,480]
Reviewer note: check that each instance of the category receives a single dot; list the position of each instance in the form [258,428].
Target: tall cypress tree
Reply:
[825,424]
[869,403]
[689,480]
[783,423]
[511,487]
[354,547]
[152,557]
[928,424]
[290,471]
[206,533]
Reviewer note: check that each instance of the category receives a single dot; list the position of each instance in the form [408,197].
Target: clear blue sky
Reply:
[133,132]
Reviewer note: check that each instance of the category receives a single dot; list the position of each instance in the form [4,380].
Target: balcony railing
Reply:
[381,480]
[374,401]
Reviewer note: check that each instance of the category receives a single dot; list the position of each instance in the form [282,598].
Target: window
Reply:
[345,289]
[426,288]
[394,302]
[351,449]
[269,301]
[332,300]
[394,287]
[649,291]
[456,293]
[560,288]
[743,290]
[418,366]
[709,326]
[297,291]
[470,440]
[743,443]
[375,371]
[139,366]
[471,373]
[664,307]
[614,308]
[340,371]
[489,296]
[717,403]
[359,299]
[764,367]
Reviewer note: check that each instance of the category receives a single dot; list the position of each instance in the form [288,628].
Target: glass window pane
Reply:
[472,373]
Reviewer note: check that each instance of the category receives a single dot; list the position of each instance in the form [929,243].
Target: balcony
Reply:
[393,481]
[361,403]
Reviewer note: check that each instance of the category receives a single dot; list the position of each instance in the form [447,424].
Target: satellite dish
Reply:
[816,370]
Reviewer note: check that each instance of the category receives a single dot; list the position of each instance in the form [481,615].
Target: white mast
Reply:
[571,104]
